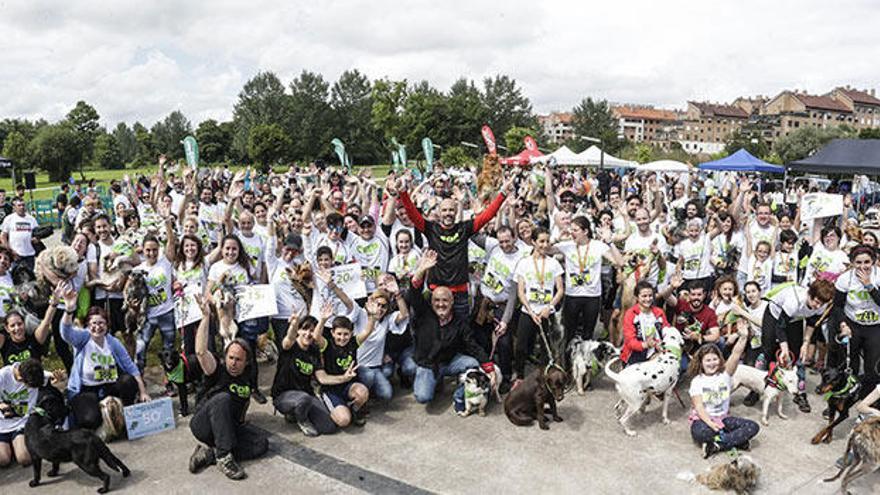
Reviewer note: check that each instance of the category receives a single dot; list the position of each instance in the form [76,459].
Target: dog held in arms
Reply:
[224,303]
[542,387]
[135,306]
[82,447]
[637,382]
[588,357]
[863,447]
[770,384]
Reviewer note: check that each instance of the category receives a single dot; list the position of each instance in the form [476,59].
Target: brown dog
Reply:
[525,403]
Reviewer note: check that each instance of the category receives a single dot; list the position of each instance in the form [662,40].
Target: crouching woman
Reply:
[101,366]
[712,384]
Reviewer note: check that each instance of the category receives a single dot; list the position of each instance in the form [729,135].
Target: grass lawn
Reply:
[103,177]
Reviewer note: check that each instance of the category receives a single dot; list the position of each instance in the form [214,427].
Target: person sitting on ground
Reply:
[372,371]
[643,325]
[19,384]
[219,422]
[710,420]
[17,344]
[101,366]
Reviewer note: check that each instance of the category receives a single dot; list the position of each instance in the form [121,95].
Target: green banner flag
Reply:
[428,148]
[339,148]
[191,148]
[401,153]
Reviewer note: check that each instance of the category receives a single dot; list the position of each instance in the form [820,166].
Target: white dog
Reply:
[770,385]
[587,359]
[637,382]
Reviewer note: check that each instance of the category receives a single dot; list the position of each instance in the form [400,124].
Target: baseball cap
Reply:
[366,219]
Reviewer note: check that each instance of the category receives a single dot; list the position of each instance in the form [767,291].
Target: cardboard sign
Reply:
[821,205]
[255,301]
[149,418]
[348,278]
[186,308]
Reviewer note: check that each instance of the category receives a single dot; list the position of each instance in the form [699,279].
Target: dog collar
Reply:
[675,351]
[852,384]
[470,395]
[774,379]
[176,375]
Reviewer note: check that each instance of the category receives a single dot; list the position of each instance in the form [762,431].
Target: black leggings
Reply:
[215,425]
[504,347]
[794,333]
[864,346]
[86,408]
[579,316]
[526,332]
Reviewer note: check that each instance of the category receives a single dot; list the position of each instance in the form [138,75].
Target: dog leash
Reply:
[547,346]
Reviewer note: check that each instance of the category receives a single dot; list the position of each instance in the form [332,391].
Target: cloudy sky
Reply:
[141,60]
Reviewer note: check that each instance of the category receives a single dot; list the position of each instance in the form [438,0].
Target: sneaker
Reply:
[357,418]
[826,413]
[745,446]
[801,401]
[201,458]
[751,399]
[230,467]
[258,396]
[710,449]
[307,428]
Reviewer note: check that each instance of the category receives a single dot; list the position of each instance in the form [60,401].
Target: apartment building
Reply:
[799,109]
[557,126]
[640,124]
[864,105]
[706,126]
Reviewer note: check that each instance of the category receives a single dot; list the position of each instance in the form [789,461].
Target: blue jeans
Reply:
[165,324]
[376,378]
[406,362]
[426,379]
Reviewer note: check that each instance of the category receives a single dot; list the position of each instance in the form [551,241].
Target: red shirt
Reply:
[705,318]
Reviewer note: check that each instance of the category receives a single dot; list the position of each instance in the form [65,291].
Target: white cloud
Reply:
[141,60]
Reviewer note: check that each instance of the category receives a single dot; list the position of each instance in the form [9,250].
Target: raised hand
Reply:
[428,260]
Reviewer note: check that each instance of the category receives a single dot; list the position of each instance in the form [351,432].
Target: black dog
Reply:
[82,447]
[841,390]
[183,370]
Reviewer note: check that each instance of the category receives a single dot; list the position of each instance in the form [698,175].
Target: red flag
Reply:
[530,143]
[489,138]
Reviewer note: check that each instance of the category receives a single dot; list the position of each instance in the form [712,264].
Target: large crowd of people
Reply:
[459,271]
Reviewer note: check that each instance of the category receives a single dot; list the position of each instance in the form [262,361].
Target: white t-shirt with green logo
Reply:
[158,278]
[539,278]
[860,306]
[583,281]
[99,365]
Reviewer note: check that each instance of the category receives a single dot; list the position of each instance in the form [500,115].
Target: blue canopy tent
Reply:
[742,161]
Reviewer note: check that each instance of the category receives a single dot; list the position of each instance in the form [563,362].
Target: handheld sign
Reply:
[255,301]
[821,205]
[149,418]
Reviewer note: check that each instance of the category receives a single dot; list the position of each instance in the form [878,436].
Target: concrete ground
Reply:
[407,447]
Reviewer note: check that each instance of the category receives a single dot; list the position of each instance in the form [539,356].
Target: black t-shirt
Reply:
[338,359]
[452,252]
[296,368]
[238,387]
[6,209]
[17,352]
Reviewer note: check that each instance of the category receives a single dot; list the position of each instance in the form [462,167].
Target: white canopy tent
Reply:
[594,156]
[664,166]
[562,156]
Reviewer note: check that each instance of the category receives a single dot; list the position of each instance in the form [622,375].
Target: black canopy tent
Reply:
[842,156]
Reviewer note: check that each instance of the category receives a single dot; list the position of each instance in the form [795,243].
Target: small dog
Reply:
[82,447]
[134,304]
[224,303]
[476,391]
[543,386]
[864,447]
[770,385]
[637,382]
[841,390]
[113,420]
[183,370]
[266,351]
[739,475]
[588,357]
[54,265]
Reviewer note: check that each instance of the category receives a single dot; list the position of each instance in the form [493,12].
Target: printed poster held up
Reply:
[821,205]
[254,301]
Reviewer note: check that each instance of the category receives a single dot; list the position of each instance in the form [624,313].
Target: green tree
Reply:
[593,118]
[747,137]
[168,134]
[107,153]
[310,116]
[351,100]
[806,141]
[84,121]
[423,114]
[456,156]
[127,141]
[514,138]
[215,141]
[24,127]
[261,101]
[639,152]
[146,152]
[267,144]
[869,134]
[52,149]
[465,113]
[389,98]
[505,105]
[15,147]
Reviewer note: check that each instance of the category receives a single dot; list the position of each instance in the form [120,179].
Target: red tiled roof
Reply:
[710,109]
[821,102]
[644,113]
[564,117]
[860,96]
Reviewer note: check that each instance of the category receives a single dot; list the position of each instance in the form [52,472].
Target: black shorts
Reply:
[8,437]
[336,395]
